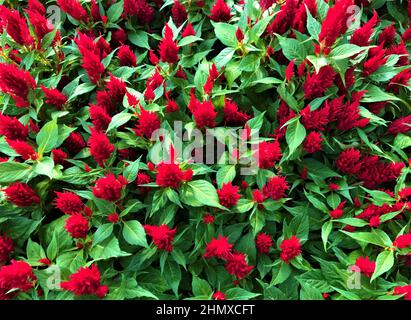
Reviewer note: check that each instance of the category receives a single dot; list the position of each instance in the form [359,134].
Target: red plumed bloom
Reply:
[218,248]
[232,116]
[338,212]
[316,84]
[75,142]
[12,128]
[403,290]
[162,236]
[387,36]
[268,154]
[68,202]
[93,66]
[86,281]
[144,13]
[220,12]
[116,88]
[74,9]
[275,188]
[104,101]
[401,125]
[349,161]
[403,241]
[40,24]
[289,71]
[36,6]
[168,48]
[100,147]
[99,118]
[113,218]
[284,18]
[170,175]
[143,178]
[16,27]
[22,148]
[109,188]
[208,219]
[148,122]
[335,23]
[375,172]
[6,247]
[126,56]
[290,248]
[16,276]
[228,195]
[119,37]
[366,266]
[312,142]
[77,226]
[237,266]
[54,97]
[16,83]
[218,295]
[188,31]
[59,156]
[361,37]
[204,115]
[179,13]
[21,195]
[348,116]
[300,18]
[377,59]
[263,243]
[95,11]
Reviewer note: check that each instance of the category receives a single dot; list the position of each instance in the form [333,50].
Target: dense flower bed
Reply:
[111,190]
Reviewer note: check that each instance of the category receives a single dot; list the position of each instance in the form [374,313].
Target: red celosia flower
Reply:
[220,11]
[104,100]
[375,172]
[335,23]
[141,9]
[300,17]
[170,175]
[228,195]
[208,218]
[289,71]
[204,115]
[232,116]
[188,31]
[21,195]
[68,202]
[75,142]
[375,221]
[93,66]
[95,11]
[74,9]
[99,117]
[312,142]
[266,4]
[54,97]
[263,243]
[349,161]
[239,34]
[126,56]
[100,146]
[16,276]
[16,27]
[333,187]
[179,13]
[36,6]
[45,261]
[403,290]
[400,125]
[275,188]
[218,295]
[237,266]
[16,83]
[377,58]
[258,196]
[77,226]
[404,193]
[86,281]
[143,178]
[361,36]
[218,248]
[403,241]
[109,188]
[40,24]
[290,248]
[348,116]
[387,36]
[116,88]
[148,122]
[168,48]
[162,236]
[366,266]
[401,79]
[6,247]
[316,84]
[149,94]
[284,18]
[268,153]
[22,148]
[113,218]
[338,212]
[12,128]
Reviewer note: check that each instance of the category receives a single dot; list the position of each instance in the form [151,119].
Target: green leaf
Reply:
[47,138]
[345,51]
[376,237]
[35,252]
[292,49]
[295,135]
[53,247]
[139,38]
[205,193]
[384,262]
[313,26]
[13,171]
[240,294]
[250,63]
[115,11]
[280,273]
[309,292]
[118,120]
[44,167]
[325,232]
[201,287]
[257,221]
[225,174]
[108,249]
[172,275]
[224,57]
[82,89]
[102,233]
[225,33]
[131,171]
[133,233]
[188,40]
